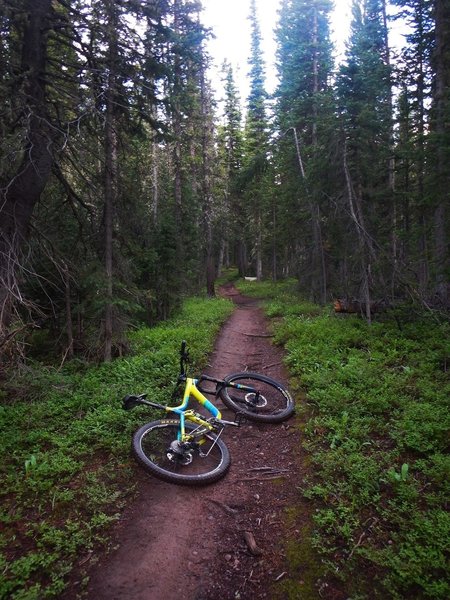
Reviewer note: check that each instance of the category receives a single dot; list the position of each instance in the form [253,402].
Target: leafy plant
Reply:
[398,477]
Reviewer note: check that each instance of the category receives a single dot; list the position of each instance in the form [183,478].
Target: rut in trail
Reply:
[182,543]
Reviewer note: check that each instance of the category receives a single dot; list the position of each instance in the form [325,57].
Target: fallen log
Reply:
[352,306]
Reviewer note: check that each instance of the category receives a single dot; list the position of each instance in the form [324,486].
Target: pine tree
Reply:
[231,142]
[364,89]
[303,110]
[441,151]
[416,76]
[255,171]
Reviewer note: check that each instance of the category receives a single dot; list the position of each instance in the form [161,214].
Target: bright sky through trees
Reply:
[229,23]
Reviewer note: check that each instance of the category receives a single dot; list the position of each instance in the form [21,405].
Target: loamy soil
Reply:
[188,543]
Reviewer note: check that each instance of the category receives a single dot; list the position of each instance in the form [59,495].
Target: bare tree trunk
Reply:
[274,241]
[155,198]
[207,148]
[242,262]
[354,201]
[319,264]
[221,259]
[69,322]
[258,249]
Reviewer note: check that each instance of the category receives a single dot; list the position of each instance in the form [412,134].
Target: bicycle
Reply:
[188,449]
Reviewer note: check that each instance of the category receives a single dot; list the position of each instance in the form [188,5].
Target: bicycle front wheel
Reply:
[271,404]
[155,447]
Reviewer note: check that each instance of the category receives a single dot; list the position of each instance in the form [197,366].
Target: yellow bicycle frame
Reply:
[181,410]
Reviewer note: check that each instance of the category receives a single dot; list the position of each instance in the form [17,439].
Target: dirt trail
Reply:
[188,543]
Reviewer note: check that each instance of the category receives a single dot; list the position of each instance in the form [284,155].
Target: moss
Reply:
[304,564]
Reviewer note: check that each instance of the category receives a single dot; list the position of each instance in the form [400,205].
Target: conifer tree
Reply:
[416,76]
[255,172]
[304,112]
[364,89]
[231,139]
[441,152]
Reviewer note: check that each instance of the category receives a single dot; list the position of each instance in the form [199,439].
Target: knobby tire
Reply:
[275,403]
[151,442]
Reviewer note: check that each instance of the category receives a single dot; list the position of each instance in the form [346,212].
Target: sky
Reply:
[229,21]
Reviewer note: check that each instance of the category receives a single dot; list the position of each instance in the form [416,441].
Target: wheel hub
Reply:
[256,401]
[177,454]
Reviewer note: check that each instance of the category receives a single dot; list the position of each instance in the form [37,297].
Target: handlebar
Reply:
[130,401]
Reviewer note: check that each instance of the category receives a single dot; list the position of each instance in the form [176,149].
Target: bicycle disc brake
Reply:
[255,400]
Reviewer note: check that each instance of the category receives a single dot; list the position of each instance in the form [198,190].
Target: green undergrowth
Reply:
[378,397]
[66,471]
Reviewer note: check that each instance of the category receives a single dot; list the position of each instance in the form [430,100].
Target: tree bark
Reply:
[20,194]
[207,149]
[110,177]
[69,321]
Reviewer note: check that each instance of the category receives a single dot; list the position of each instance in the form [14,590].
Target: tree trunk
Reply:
[318,256]
[258,252]
[110,178]
[442,107]
[20,194]
[69,322]
[365,245]
[207,150]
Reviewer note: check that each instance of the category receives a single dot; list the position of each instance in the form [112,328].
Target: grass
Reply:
[377,436]
[66,472]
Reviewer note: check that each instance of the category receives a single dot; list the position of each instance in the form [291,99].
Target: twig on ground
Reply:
[280,476]
[224,507]
[251,543]
[271,469]
[257,335]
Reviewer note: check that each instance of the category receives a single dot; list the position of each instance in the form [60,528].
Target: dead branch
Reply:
[280,476]
[270,470]
[12,334]
[273,365]
[224,507]
[256,335]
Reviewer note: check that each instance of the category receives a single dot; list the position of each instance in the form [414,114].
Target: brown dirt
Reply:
[189,543]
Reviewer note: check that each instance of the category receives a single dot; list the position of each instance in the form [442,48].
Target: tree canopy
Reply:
[123,188]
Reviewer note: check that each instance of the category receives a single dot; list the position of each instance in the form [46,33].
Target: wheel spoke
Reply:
[202,460]
[270,402]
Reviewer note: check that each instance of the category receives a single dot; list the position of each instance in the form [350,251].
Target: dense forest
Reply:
[124,185]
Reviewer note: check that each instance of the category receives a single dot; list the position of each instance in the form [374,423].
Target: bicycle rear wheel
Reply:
[155,447]
[273,404]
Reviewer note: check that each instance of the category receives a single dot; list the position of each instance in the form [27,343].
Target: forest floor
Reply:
[186,543]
